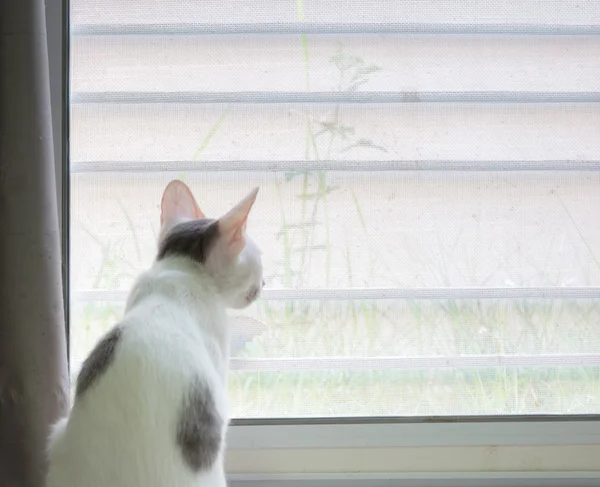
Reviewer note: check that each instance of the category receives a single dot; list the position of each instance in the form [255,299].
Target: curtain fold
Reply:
[33,363]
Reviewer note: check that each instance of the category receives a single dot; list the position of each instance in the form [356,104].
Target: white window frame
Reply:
[369,452]
[419,451]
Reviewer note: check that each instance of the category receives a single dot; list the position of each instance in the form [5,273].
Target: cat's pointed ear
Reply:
[178,202]
[232,225]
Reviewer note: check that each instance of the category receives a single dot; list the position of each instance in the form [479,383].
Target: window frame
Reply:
[521,440]
[57,33]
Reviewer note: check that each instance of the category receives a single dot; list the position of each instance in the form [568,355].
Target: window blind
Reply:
[430,192]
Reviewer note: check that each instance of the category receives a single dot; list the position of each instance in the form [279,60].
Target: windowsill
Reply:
[420,479]
[544,451]
[477,431]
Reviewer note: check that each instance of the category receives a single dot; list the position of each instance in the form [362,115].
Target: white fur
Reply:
[121,432]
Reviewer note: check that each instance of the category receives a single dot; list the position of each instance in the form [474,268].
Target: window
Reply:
[429,212]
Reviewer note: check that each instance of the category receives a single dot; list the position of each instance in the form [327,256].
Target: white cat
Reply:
[150,405]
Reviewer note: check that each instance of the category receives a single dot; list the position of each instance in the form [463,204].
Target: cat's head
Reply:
[218,247]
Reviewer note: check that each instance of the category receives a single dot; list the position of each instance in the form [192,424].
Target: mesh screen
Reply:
[429,209]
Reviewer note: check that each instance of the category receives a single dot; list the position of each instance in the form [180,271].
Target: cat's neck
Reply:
[176,279]
[173,283]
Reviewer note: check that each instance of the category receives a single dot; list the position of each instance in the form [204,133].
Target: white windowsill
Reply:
[419,479]
[416,432]
[494,453]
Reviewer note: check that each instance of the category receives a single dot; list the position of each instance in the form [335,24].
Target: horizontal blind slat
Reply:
[383,12]
[414,131]
[300,364]
[410,64]
[330,165]
[503,229]
[408,363]
[304,28]
[97,295]
[130,97]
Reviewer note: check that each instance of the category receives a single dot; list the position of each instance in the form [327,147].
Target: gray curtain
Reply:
[33,367]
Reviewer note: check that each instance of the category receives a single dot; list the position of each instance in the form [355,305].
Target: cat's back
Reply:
[148,404]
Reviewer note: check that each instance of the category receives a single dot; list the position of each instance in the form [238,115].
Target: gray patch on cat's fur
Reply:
[193,239]
[98,361]
[199,428]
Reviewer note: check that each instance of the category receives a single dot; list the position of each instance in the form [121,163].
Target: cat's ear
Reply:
[232,225]
[178,202]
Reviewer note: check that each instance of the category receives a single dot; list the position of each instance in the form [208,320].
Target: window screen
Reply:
[429,205]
